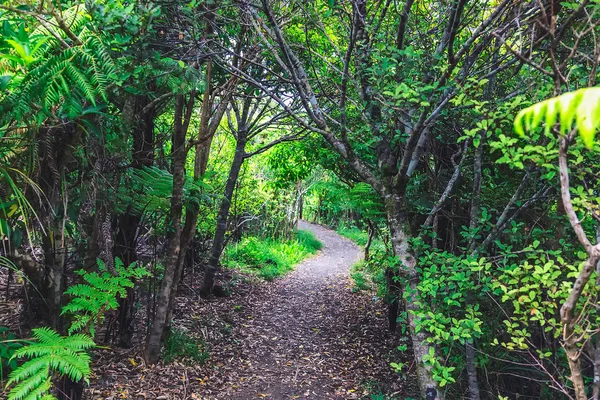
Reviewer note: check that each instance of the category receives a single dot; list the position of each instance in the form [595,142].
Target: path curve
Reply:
[304,336]
[303,340]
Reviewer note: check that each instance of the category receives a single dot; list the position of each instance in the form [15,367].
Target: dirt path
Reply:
[307,339]
[305,336]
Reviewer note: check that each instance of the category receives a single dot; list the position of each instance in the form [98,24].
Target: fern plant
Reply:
[152,187]
[45,79]
[50,353]
[91,300]
[581,107]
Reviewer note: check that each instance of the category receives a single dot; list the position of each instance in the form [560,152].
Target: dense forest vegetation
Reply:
[143,143]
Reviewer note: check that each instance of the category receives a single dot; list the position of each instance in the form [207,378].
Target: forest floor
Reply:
[305,336]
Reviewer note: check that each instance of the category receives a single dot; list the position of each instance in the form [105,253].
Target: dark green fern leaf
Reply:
[51,353]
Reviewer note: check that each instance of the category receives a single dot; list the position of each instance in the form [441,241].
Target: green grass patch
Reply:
[366,275]
[353,233]
[271,258]
[179,345]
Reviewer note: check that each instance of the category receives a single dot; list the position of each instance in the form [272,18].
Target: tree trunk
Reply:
[140,123]
[56,149]
[369,239]
[408,271]
[472,370]
[217,246]
[153,340]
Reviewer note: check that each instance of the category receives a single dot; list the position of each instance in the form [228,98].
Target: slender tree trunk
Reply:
[596,380]
[153,340]
[570,315]
[408,271]
[472,369]
[470,349]
[370,240]
[217,246]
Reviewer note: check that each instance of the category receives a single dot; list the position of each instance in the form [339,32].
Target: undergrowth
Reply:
[271,258]
[353,233]
[365,274]
[181,346]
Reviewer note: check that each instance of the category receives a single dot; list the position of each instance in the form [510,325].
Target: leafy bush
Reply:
[372,270]
[360,281]
[308,241]
[180,345]
[270,258]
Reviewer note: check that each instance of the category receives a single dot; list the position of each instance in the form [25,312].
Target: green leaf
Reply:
[588,117]
[581,107]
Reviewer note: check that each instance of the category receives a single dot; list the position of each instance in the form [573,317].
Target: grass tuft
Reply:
[271,258]
[353,233]
[179,345]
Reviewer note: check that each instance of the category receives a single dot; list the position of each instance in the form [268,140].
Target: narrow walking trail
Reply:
[304,336]
[311,337]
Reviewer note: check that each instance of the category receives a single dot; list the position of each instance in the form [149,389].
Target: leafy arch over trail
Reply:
[166,134]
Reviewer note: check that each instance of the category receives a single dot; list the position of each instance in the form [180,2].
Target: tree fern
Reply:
[581,107]
[50,353]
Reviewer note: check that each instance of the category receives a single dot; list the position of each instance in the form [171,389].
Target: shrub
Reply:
[360,281]
[309,241]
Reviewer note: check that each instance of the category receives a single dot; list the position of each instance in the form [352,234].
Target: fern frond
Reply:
[41,392]
[35,385]
[581,108]
[99,294]
[80,342]
[29,371]
[46,335]
[63,81]
[65,355]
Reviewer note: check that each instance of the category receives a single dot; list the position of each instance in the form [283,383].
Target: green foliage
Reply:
[180,345]
[366,273]
[8,346]
[581,107]
[271,258]
[90,301]
[51,353]
[308,241]
[360,281]
[67,355]
[534,288]
[353,233]
[330,201]
[149,190]
[50,81]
